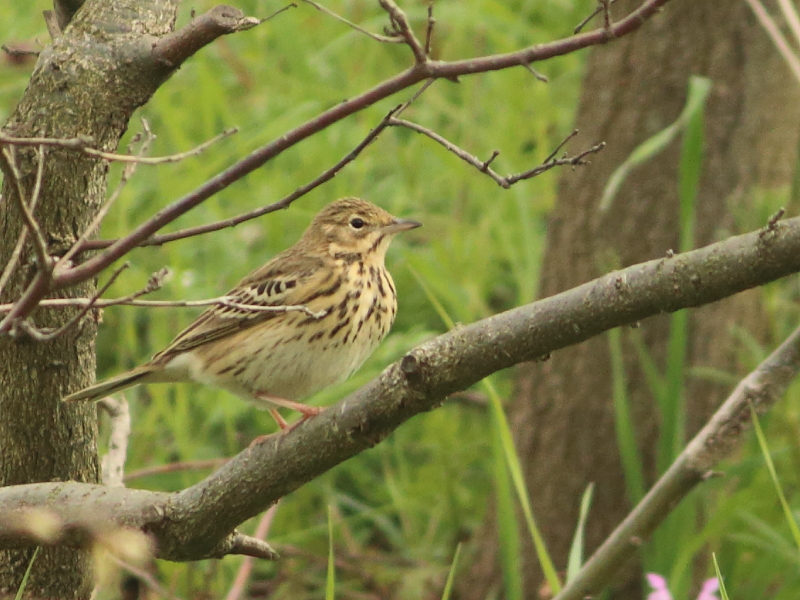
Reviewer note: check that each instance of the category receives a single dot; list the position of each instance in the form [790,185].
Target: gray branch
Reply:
[200,521]
[720,436]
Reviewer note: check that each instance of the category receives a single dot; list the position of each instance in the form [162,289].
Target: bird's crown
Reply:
[353,225]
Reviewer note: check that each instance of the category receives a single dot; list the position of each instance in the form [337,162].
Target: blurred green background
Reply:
[400,509]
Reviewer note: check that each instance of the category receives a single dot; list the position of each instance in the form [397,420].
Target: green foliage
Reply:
[399,510]
[479,250]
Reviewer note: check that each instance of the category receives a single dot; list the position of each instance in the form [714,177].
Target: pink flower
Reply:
[661,592]
[709,587]
[659,585]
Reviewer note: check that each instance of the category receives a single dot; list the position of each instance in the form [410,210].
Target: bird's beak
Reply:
[399,225]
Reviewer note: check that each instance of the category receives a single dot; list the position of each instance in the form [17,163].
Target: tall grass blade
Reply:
[24,583]
[787,511]
[509,451]
[699,88]
[330,580]
[576,550]
[722,591]
[448,586]
[623,423]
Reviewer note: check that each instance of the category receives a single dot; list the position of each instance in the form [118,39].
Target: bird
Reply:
[305,320]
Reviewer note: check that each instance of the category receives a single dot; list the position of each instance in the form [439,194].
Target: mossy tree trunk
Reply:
[88,83]
[562,412]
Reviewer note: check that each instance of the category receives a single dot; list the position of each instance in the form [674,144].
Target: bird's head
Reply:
[351,227]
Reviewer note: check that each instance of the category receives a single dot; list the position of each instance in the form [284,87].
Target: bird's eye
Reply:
[357,223]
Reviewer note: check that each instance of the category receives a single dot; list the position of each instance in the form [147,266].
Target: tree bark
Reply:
[88,82]
[562,412]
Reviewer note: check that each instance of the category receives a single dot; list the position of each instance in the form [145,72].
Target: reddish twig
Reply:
[378,38]
[85,144]
[284,202]
[417,73]
[483,166]
[44,335]
[429,29]
[400,29]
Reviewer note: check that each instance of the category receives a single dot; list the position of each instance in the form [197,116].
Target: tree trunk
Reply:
[562,413]
[86,83]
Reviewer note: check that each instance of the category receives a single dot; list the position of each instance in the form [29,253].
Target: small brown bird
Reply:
[304,321]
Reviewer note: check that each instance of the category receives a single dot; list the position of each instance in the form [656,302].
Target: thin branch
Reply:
[113,462]
[483,166]
[44,335]
[279,11]
[199,521]
[17,252]
[417,73]
[284,202]
[774,32]
[85,144]
[127,173]
[718,438]
[379,38]
[789,11]
[429,29]
[402,30]
[52,21]
[40,245]
[539,76]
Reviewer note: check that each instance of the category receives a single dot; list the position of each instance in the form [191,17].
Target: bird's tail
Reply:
[113,384]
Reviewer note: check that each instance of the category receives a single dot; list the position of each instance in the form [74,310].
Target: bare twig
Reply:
[284,202]
[84,144]
[196,522]
[40,245]
[541,77]
[400,29]
[51,20]
[189,465]
[595,12]
[40,286]
[243,575]
[17,252]
[379,38]
[113,462]
[44,335]
[774,32]
[483,166]
[279,11]
[128,172]
[429,29]
[763,387]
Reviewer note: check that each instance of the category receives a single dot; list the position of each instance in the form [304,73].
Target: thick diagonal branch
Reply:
[200,521]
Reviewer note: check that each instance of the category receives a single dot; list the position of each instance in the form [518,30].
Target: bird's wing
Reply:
[287,280]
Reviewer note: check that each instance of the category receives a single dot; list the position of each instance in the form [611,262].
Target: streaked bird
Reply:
[305,320]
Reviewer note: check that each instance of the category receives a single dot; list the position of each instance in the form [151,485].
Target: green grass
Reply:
[479,252]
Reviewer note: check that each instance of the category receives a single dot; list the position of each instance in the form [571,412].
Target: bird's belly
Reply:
[290,369]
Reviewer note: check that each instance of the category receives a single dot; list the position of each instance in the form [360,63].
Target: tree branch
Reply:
[762,387]
[412,76]
[182,524]
[174,49]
